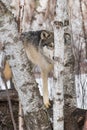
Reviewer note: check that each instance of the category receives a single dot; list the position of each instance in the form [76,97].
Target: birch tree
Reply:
[79,29]
[61,16]
[35,114]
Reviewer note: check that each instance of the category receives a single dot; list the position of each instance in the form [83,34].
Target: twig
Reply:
[10,107]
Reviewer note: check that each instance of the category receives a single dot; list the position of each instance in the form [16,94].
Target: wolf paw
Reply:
[47,103]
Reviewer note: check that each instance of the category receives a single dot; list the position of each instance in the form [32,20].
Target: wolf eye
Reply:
[50,46]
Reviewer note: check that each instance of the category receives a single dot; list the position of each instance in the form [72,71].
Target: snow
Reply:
[50,86]
[2,85]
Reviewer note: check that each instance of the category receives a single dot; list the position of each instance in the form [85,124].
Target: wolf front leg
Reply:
[45,88]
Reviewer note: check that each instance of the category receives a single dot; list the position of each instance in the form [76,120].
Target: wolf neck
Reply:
[50,61]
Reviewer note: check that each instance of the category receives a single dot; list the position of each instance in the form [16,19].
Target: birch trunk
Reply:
[36,116]
[58,106]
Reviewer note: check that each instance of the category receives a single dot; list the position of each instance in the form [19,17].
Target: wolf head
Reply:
[42,40]
[39,38]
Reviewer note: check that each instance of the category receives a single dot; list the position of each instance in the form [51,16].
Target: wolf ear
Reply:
[44,35]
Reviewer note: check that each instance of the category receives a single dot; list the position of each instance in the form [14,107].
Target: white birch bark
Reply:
[61,16]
